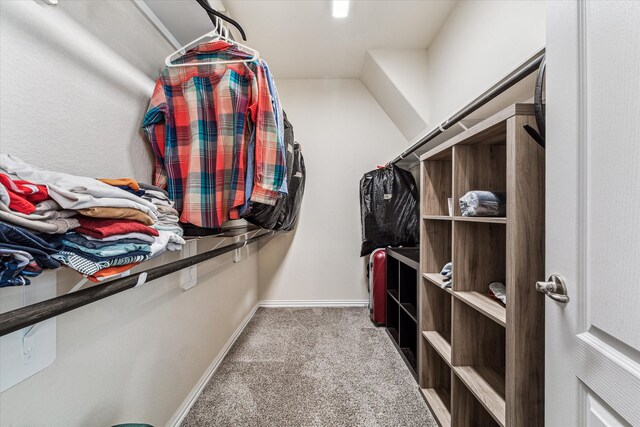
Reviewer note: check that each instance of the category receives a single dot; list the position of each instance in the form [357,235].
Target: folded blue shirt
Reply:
[109,251]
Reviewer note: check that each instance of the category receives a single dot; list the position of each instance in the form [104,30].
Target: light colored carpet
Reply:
[311,367]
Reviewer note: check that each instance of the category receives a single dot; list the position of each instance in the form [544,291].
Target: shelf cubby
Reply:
[408,342]
[479,256]
[393,318]
[435,383]
[478,167]
[474,348]
[476,340]
[466,409]
[436,182]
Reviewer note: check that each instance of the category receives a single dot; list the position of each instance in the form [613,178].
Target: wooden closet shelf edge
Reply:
[485,305]
[497,120]
[487,386]
[439,344]
[436,399]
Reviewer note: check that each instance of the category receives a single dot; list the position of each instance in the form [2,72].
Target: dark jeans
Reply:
[12,237]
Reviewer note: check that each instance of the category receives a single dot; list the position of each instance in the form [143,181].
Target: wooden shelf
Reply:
[485,305]
[439,401]
[437,279]
[438,217]
[482,219]
[439,344]
[482,356]
[487,386]
[410,309]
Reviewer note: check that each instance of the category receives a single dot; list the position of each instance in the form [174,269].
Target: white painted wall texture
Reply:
[75,80]
[344,133]
[480,43]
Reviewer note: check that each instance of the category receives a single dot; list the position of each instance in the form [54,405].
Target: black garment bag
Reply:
[388,209]
[283,215]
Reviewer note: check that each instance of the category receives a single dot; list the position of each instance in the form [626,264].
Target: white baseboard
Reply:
[314,303]
[184,409]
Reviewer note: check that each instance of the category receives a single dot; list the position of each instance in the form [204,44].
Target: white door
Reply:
[593,213]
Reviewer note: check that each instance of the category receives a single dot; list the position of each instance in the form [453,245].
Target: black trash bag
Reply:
[388,209]
[283,215]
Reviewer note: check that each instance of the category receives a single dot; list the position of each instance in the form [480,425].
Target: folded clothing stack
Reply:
[23,255]
[483,203]
[168,216]
[447,272]
[85,250]
[98,227]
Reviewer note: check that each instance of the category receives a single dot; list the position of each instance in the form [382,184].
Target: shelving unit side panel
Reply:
[525,265]
[436,186]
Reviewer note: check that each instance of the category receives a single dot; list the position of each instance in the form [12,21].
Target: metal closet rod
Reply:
[20,318]
[524,70]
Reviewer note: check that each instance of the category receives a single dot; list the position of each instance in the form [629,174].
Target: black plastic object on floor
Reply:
[283,215]
[388,209]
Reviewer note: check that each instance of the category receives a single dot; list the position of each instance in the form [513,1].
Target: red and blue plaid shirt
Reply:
[197,123]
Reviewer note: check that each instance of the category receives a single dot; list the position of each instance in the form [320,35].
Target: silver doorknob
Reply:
[555,288]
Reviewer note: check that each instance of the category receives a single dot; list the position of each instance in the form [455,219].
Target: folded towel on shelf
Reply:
[100,228]
[117,213]
[75,192]
[483,203]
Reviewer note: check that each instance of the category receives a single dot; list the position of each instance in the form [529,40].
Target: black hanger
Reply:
[212,12]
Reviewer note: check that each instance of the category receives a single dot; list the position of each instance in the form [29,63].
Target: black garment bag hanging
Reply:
[283,215]
[388,209]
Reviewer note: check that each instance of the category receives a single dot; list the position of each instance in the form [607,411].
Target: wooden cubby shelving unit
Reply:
[480,362]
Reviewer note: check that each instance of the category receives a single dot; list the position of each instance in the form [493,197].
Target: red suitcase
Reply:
[378,286]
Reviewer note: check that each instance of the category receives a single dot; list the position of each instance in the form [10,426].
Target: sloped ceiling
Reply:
[300,38]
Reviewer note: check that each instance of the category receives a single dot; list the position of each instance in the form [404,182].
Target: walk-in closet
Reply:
[295,213]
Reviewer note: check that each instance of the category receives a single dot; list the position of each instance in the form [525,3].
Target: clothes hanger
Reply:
[219,33]
[211,11]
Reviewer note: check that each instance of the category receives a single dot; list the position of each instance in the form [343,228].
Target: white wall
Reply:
[344,133]
[480,43]
[75,80]
[397,79]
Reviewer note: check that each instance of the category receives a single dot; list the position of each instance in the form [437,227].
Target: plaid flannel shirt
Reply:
[197,126]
